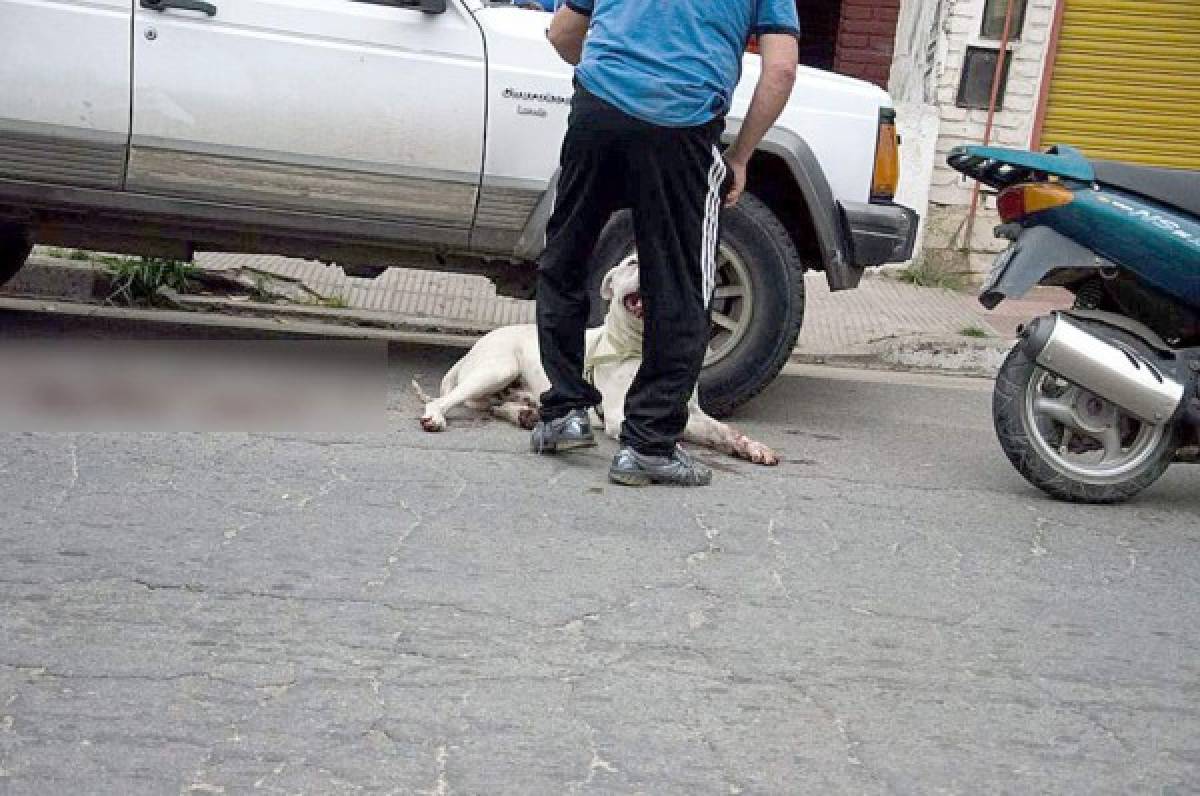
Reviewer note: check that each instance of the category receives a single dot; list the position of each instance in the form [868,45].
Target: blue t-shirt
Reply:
[674,63]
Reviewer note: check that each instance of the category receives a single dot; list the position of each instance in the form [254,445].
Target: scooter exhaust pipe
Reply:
[1122,377]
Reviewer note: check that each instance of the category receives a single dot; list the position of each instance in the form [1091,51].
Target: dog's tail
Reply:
[450,380]
[422,396]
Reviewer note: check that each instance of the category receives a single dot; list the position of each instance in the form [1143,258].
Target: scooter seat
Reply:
[1175,187]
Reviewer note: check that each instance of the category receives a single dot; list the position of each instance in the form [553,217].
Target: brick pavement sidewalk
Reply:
[881,312]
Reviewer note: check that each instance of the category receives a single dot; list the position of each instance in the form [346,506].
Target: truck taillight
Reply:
[1019,201]
[886,177]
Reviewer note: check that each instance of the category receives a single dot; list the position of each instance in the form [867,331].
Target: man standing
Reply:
[652,87]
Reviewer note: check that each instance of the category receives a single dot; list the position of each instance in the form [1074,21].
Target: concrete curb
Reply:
[70,287]
[329,315]
[54,278]
[224,321]
[980,358]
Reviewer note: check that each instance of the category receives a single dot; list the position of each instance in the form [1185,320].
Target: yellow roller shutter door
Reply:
[1126,81]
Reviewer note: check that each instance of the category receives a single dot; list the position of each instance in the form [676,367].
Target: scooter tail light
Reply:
[1019,201]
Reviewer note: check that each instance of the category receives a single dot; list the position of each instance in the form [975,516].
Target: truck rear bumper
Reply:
[878,233]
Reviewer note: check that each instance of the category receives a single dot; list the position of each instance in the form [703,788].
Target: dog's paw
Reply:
[751,451]
[431,423]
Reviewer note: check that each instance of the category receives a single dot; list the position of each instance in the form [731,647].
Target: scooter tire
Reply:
[1012,383]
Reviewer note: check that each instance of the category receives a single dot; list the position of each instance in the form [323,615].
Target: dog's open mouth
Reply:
[633,304]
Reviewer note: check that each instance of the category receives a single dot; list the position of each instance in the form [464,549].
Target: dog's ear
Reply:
[606,288]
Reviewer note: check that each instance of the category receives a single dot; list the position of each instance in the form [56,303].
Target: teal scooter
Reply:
[1094,403]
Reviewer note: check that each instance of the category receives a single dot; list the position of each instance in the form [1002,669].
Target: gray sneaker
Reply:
[572,430]
[679,469]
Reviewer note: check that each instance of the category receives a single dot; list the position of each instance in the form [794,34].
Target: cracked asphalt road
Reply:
[892,610]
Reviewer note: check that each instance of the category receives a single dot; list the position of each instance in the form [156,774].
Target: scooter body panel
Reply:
[1101,228]
[1033,256]
[1159,244]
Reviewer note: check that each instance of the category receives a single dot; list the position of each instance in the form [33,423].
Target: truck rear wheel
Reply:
[757,308]
[15,245]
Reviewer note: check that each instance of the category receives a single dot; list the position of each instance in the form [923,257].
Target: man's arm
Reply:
[568,29]
[780,53]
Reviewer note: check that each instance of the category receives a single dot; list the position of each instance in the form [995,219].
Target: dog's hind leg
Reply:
[704,430]
[518,413]
[518,405]
[474,386]
[450,380]
[520,394]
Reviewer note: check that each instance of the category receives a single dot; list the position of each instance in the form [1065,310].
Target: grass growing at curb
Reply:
[338,302]
[973,331]
[261,292]
[924,273]
[137,280]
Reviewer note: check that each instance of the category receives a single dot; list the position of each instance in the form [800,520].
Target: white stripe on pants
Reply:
[712,214]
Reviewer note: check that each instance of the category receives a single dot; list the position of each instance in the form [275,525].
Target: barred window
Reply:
[994,12]
[975,88]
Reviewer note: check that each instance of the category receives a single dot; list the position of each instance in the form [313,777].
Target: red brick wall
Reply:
[866,36]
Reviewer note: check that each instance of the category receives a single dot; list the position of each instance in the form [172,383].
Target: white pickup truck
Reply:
[372,133]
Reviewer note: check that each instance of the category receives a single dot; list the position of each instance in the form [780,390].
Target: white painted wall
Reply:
[1013,125]
[932,38]
[913,87]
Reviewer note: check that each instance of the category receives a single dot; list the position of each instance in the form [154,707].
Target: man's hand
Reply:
[780,53]
[737,177]
[567,31]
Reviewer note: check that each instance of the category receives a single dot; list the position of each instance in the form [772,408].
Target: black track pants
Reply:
[673,179]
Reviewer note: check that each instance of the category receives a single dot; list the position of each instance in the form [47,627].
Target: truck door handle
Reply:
[183,5]
[427,6]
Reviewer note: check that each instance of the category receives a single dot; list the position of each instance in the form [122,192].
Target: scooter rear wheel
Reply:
[1070,443]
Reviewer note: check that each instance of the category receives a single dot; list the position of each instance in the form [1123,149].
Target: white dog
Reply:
[503,373]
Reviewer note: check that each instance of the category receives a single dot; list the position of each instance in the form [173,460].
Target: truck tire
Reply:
[758,307]
[15,246]
[1065,467]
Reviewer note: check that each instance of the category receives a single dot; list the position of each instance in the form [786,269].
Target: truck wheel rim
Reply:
[1083,436]
[732,305]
